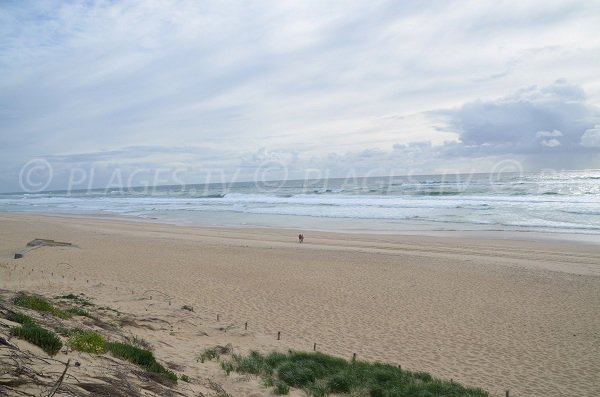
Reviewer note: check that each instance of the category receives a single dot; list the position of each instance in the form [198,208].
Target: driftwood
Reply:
[60,380]
[41,242]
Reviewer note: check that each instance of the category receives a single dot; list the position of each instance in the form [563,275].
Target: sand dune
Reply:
[499,314]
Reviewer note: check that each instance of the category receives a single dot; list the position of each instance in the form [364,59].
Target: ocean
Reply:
[566,202]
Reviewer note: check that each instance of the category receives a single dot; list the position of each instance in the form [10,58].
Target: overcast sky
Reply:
[314,86]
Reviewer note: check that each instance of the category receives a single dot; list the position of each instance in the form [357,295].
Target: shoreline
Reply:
[484,234]
[497,314]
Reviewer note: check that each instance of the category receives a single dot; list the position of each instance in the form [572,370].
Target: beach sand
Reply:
[498,314]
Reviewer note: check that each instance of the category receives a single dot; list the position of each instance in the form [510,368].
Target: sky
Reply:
[97,93]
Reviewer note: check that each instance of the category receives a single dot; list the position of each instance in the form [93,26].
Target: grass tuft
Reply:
[281,388]
[184,378]
[38,304]
[93,342]
[138,356]
[47,340]
[227,366]
[208,354]
[77,311]
[18,317]
[78,299]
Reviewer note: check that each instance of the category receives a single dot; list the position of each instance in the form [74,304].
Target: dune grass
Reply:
[320,374]
[47,340]
[141,357]
[78,299]
[208,354]
[78,339]
[77,311]
[38,304]
[18,317]
[93,342]
[185,378]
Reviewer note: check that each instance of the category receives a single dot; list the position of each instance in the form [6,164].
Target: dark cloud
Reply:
[536,122]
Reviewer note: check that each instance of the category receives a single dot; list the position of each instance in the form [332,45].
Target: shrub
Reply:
[39,304]
[47,340]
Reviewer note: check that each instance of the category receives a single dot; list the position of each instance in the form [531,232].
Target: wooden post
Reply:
[353,356]
[507,393]
[246,326]
[315,347]
[278,335]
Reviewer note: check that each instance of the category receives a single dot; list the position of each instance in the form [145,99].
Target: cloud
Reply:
[591,137]
[535,121]
[550,142]
[208,84]
[541,134]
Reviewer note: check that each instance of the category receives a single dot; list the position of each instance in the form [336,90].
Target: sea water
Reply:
[556,202]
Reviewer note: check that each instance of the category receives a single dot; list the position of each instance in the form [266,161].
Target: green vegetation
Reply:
[141,357]
[77,311]
[33,333]
[93,342]
[281,388]
[228,367]
[320,374]
[208,354]
[79,339]
[86,341]
[184,378]
[20,318]
[78,299]
[139,342]
[39,304]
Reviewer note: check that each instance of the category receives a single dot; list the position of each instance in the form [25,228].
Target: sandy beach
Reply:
[497,314]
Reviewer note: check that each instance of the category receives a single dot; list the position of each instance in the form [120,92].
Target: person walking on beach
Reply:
[301,238]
